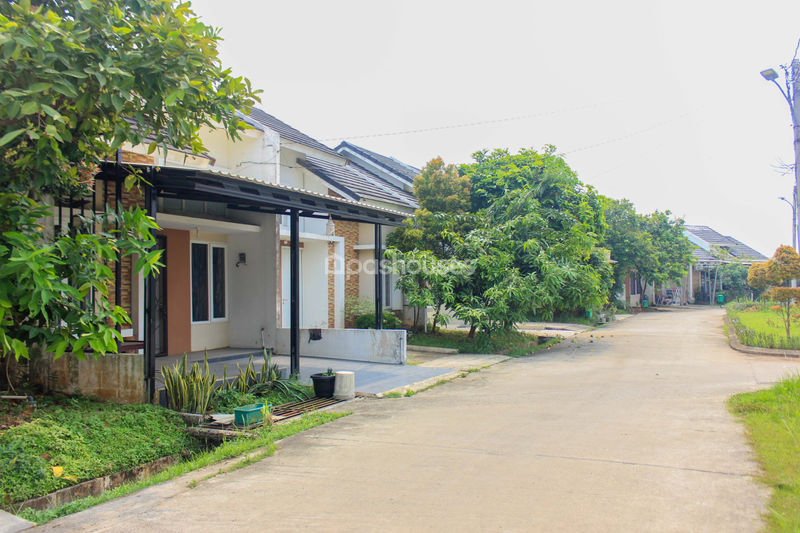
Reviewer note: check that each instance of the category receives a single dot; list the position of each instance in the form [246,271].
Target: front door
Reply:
[160,310]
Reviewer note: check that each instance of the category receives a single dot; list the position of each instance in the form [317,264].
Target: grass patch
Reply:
[772,419]
[513,343]
[67,440]
[266,439]
[759,325]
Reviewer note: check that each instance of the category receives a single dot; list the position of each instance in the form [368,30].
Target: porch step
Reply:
[430,350]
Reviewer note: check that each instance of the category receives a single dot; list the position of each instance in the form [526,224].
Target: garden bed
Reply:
[63,441]
[758,324]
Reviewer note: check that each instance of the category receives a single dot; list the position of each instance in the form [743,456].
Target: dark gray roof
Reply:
[357,182]
[286,131]
[398,168]
[735,247]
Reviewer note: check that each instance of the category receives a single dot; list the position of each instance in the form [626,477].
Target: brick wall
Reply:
[331,285]
[349,230]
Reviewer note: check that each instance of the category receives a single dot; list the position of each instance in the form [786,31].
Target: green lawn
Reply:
[758,325]
[512,343]
[772,418]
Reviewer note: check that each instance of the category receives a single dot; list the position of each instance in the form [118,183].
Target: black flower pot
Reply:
[323,385]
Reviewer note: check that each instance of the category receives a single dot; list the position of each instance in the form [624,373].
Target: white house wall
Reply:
[253,287]
[254,155]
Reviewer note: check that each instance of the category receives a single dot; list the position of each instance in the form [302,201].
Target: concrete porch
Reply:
[371,378]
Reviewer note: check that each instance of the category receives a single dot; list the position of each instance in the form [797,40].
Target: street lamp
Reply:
[794,220]
[791,93]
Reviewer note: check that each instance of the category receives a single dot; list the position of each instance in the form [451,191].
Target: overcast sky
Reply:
[660,102]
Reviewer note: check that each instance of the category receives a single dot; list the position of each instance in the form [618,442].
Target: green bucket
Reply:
[247,415]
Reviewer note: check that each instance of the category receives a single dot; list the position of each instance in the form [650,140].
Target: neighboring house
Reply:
[396,179]
[236,223]
[711,249]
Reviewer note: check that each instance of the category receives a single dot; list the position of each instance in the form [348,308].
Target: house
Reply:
[712,249]
[264,240]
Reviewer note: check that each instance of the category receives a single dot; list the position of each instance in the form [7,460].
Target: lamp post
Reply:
[793,205]
[791,93]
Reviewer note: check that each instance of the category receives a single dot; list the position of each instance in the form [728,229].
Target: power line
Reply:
[630,135]
[468,124]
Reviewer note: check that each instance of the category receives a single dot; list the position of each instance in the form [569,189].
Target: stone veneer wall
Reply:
[331,285]
[349,230]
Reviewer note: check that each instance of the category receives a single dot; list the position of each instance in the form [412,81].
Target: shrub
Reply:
[188,391]
[226,400]
[368,321]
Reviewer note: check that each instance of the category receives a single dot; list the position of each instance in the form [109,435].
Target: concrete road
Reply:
[623,430]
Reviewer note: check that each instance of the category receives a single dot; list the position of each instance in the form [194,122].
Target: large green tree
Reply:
[79,78]
[651,247]
[528,230]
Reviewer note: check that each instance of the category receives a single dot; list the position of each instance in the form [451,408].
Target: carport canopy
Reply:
[240,192]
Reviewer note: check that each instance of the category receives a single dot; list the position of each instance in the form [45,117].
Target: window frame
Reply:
[210,245]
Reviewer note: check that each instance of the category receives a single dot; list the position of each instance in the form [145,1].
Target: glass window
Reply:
[199,282]
[218,281]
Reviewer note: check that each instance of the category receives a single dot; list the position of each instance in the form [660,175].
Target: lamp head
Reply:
[769,74]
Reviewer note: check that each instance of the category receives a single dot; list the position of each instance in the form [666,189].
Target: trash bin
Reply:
[644,304]
[720,299]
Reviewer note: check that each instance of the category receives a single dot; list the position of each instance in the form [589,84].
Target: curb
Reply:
[450,376]
[431,349]
[733,341]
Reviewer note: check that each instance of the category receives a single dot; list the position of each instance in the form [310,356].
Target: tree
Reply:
[630,244]
[79,79]
[783,267]
[427,281]
[651,247]
[444,199]
[757,276]
[529,236]
[733,278]
[672,251]
[440,188]
[497,172]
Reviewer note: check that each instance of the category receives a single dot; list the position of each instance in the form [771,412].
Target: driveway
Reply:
[624,429]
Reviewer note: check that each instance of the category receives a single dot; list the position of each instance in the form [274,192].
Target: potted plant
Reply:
[323,383]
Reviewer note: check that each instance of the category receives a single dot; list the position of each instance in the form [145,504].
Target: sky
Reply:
[659,102]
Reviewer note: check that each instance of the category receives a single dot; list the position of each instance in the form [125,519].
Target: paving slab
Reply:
[624,429]
[370,378]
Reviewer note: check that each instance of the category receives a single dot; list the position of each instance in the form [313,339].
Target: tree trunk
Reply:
[471,334]
[787,317]
[714,287]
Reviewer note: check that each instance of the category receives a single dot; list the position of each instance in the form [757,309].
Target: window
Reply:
[208,282]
